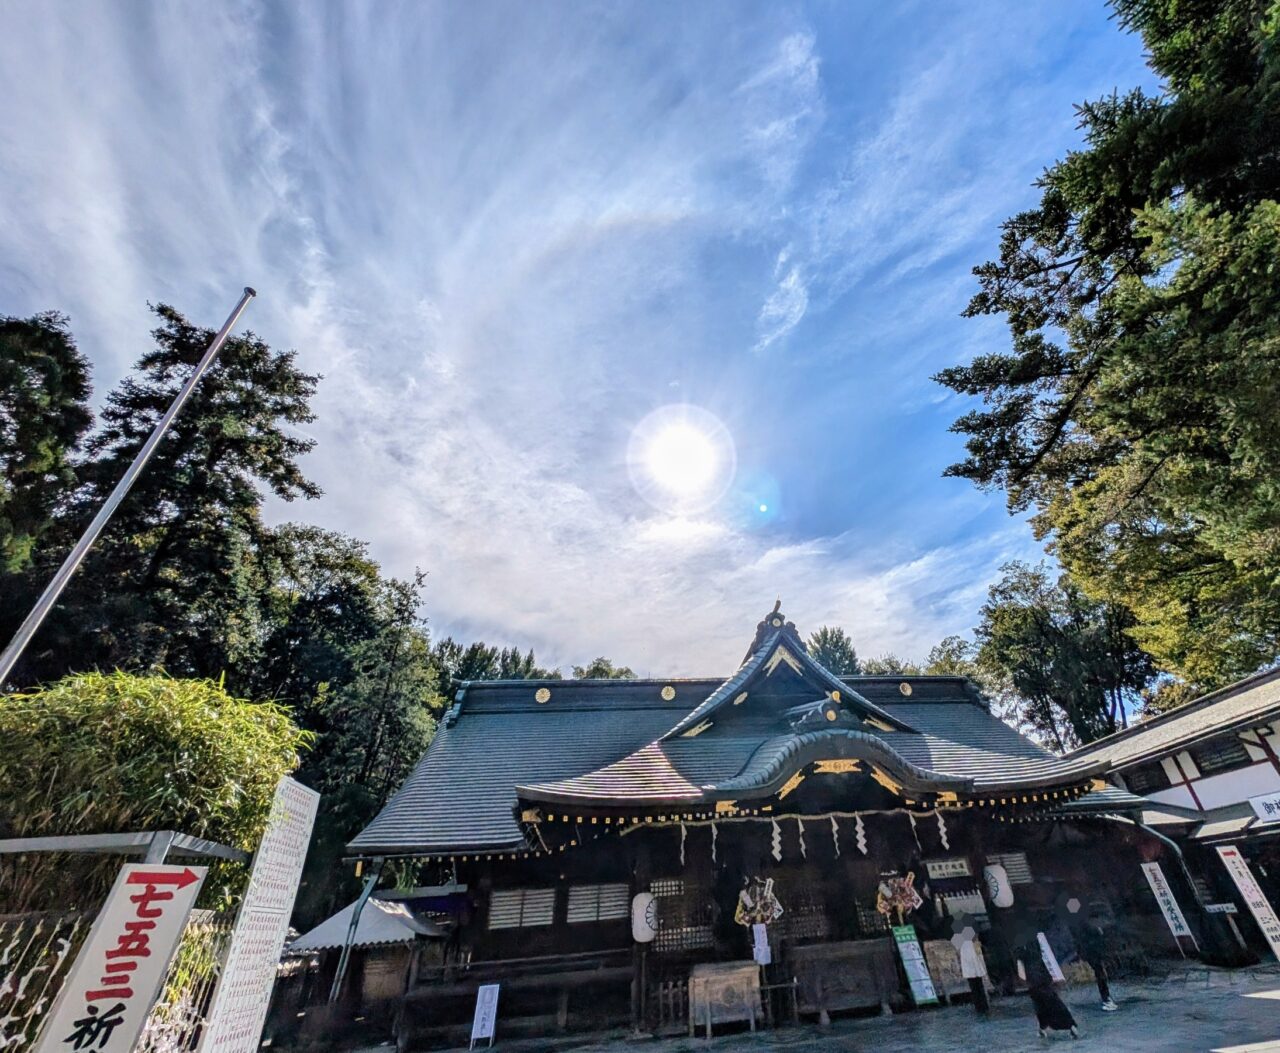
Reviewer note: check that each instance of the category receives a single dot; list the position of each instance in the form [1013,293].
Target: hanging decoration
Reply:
[898,895]
[683,834]
[835,836]
[800,835]
[757,905]
[713,842]
[860,834]
[777,841]
[942,833]
[914,833]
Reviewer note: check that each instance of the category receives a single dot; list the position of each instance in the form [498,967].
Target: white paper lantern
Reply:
[999,891]
[644,917]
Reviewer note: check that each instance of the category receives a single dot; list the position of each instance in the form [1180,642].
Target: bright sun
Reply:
[681,458]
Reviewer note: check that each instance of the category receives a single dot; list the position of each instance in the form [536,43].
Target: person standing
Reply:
[1052,1013]
[1092,943]
[974,970]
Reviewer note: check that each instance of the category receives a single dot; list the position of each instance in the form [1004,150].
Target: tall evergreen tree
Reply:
[44,415]
[1135,409]
[167,583]
[831,647]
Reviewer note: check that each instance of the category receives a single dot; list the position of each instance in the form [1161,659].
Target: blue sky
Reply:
[506,233]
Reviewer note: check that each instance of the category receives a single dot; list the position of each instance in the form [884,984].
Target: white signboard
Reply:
[119,970]
[947,868]
[244,989]
[1220,908]
[760,944]
[486,1014]
[1257,903]
[1266,806]
[1164,896]
[914,964]
[1050,959]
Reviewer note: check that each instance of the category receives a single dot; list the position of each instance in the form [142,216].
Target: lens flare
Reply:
[681,458]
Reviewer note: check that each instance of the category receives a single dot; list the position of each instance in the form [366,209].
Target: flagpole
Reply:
[69,566]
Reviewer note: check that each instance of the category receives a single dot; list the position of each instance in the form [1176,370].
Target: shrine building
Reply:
[598,848]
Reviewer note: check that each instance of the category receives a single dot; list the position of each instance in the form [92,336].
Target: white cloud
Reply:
[504,238]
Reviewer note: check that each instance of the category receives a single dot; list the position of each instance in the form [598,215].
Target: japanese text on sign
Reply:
[947,868]
[1257,903]
[1266,806]
[486,1014]
[244,988]
[1164,897]
[914,964]
[118,973]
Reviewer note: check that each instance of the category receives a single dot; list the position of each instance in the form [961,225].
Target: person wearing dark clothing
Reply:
[1092,943]
[1052,1013]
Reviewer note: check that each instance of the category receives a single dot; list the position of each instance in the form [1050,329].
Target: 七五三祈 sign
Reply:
[120,968]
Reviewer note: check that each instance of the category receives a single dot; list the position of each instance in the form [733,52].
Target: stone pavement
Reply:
[1215,1012]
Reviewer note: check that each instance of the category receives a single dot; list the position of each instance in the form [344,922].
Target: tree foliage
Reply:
[99,753]
[44,415]
[890,664]
[831,647]
[165,585]
[602,669]
[480,661]
[1134,410]
[1076,671]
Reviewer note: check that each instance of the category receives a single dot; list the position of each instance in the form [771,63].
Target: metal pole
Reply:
[72,563]
[345,957]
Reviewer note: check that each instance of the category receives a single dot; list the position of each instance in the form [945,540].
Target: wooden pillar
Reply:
[640,870]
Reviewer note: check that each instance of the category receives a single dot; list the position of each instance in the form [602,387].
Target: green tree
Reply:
[1135,409]
[831,647]
[889,664]
[1071,661]
[167,584]
[44,415]
[118,753]
[602,669]
[373,725]
[457,662]
[317,598]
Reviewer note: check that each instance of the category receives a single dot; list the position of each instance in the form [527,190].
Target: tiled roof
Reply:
[960,747]
[1255,700]
[462,795]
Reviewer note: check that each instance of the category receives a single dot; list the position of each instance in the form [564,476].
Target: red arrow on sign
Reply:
[181,878]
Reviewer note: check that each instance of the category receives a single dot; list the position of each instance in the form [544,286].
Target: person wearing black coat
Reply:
[1052,1013]
[1091,941]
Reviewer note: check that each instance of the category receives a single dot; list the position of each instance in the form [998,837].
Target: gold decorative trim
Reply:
[885,781]
[543,694]
[905,688]
[696,730]
[880,724]
[668,693]
[725,807]
[740,699]
[791,784]
[836,766]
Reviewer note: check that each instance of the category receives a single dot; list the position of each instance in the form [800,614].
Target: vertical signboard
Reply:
[1257,903]
[243,994]
[917,969]
[486,1014]
[1050,959]
[118,973]
[760,944]
[1164,896]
